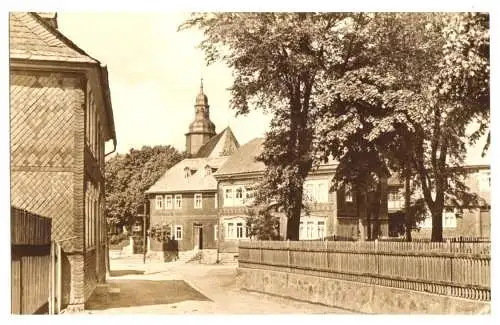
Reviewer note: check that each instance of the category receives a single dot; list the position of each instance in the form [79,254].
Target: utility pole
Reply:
[218,222]
[144,237]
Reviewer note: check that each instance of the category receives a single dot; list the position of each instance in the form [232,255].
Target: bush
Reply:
[116,239]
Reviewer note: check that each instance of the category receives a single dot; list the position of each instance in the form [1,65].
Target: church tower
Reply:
[201,129]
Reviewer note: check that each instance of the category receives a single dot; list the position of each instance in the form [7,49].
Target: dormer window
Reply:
[208,170]
[187,172]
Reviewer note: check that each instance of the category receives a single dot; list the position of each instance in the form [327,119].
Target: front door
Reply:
[198,237]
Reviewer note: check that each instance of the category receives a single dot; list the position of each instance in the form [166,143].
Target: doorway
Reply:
[198,236]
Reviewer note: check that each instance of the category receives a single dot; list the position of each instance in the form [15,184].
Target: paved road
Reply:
[170,288]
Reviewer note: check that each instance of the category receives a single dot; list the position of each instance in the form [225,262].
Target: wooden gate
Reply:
[55,295]
[30,262]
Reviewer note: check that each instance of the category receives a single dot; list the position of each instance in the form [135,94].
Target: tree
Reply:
[277,60]
[263,225]
[374,91]
[398,103]
[128,176]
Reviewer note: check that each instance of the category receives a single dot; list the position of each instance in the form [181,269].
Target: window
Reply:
[168,201]
[484,181]
[178,233]
[395,200]
[348,193]
[239,230]
[239,193]
[321,229]
[98,143]
[309,191]
[312,227]
[93,214]
[230,230]
[316,190]
[427,222]
[322,192]
[197,201]
[216,232]
[228,197]
[208,170]
[187,172]
[238,196]
[159,202]
[449,218]
[178,201]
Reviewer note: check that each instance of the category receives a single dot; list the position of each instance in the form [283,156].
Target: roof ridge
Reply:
[60,36]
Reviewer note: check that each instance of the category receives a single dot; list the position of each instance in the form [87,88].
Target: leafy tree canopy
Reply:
[129,175]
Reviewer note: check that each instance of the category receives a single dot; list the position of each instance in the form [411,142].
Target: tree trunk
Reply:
[408,217]
[437,225]
[376,210]
[292,227]
[362,210]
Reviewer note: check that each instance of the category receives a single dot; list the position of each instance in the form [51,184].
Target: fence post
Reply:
[59,278]
[52,278]
[261,259]
[288,253]
[326,255]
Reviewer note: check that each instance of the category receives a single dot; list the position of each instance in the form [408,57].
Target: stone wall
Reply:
[355,296]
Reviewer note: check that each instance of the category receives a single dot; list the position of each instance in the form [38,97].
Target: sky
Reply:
[154,76]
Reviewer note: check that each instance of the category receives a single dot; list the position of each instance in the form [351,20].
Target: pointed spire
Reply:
[201,98]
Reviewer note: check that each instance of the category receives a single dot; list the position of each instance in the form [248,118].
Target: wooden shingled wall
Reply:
[43,145]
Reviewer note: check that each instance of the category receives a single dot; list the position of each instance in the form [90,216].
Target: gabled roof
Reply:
[31,37]
[243,160]
[222,144]
[174,179]
[35,37]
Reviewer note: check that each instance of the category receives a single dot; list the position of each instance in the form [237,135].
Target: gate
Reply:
[55,278]
[55,295]
[30,261]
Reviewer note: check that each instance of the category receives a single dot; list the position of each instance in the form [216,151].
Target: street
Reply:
[169,288]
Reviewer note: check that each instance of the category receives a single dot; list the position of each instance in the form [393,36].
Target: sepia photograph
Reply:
[249,163]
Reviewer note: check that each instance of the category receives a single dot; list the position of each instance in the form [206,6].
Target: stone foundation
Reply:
[354,296]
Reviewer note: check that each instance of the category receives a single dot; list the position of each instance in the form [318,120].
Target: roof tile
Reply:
[33,39]
[174,181]
[244,159]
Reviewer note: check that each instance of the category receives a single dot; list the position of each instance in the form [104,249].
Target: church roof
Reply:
[32,37]
[222,144]
[243,160]
[175,180]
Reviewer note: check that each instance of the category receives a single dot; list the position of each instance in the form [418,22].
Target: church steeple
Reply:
[201,129]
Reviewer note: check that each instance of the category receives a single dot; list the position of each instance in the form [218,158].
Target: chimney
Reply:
[49,17]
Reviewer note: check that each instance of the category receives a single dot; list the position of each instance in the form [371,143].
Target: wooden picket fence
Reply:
[30,261]
[453,269]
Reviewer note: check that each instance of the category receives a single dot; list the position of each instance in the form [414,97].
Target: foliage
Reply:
[263,225]
[116,239]
[277,59]
[160,233]
[391,108]
[129,175]
[374,91]
[417,214]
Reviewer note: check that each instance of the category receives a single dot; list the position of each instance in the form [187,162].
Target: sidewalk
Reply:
[169,288]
